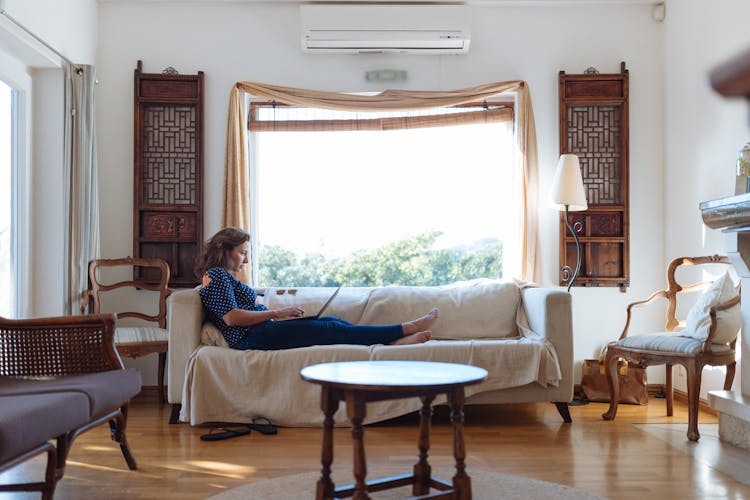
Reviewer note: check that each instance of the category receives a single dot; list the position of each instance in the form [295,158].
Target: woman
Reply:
[245,324]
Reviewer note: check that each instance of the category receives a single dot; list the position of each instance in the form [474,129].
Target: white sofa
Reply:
[521,334]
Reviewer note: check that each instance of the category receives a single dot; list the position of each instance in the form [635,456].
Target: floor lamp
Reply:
[567,194]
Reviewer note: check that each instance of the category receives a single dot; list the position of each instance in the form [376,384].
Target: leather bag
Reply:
[632,380]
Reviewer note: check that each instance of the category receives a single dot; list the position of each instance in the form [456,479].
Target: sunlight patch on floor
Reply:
[85,465]
[223,468]
[92,447]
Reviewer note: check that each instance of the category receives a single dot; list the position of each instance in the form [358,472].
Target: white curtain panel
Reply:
[81,194]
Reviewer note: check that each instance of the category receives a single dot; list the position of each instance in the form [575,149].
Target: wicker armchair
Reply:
[67,369]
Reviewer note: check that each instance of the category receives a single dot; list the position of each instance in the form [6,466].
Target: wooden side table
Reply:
[359,382]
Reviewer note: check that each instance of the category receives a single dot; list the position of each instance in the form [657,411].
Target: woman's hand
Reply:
[289,312]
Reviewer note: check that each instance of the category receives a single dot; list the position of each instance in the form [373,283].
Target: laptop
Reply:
[322,309]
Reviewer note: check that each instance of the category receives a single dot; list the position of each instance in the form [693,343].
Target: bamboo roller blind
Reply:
[486,113]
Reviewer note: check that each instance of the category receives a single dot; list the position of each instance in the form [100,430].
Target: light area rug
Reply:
[485,485]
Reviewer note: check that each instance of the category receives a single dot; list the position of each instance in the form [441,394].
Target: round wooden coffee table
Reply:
[358,382]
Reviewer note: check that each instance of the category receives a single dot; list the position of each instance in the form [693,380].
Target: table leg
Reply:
[422,469]
[461,481]
[329,405]
[355,408]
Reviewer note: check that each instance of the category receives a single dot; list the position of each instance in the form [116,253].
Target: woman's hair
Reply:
[217,247]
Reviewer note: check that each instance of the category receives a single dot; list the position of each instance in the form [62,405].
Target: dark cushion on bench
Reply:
[105,391]
[28,421]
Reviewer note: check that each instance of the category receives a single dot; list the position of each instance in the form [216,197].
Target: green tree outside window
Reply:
[412,261]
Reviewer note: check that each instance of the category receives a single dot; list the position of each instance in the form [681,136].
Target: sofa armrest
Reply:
[549,313]
[184,321]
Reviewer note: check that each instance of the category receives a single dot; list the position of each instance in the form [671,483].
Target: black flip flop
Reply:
[225,434]
[263,425]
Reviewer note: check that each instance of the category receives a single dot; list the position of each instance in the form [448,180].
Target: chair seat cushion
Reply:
[140,334]
[668,342]
[106,391]
[30,420]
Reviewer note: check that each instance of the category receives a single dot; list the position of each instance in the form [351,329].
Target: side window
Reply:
[7,202]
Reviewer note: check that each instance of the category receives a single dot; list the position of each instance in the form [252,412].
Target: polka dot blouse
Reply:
[223,294]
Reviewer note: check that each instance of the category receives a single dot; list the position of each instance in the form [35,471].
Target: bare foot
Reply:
[415,338]
[421,324]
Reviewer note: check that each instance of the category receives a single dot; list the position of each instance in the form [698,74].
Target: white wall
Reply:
[70,28]
[260,42]
[46,235]
[703,131]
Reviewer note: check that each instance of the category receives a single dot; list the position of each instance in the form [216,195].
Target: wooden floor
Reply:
[611,459]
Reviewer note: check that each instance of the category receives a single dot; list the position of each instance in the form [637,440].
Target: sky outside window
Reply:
[339,192]
[6,277]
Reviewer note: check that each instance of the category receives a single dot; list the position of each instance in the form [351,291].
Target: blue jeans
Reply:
[273,335]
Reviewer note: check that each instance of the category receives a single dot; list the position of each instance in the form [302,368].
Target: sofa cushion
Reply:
[105,391]
[29,420]
[349,304]
[478,309]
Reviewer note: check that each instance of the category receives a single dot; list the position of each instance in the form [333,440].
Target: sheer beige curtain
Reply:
[81,213]
[522,256]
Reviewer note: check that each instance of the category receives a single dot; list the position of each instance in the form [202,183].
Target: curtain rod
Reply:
[35,37]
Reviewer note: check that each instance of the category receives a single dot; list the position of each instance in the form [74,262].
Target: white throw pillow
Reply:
[698,320]
[210,335]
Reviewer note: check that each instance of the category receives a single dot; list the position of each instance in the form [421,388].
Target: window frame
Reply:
[505,110]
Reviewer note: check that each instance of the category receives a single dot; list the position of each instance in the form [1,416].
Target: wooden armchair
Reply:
[708,338]
[59,377]
[141,340]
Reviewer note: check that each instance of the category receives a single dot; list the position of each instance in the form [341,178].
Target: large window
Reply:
[410,206]
[7,254]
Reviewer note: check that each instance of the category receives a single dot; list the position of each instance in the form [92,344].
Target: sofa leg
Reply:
[174,417]
[564,411]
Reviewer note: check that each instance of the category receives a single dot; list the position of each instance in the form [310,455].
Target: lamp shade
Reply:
[567,186]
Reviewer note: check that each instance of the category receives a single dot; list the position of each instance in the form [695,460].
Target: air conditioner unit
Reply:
[385,28]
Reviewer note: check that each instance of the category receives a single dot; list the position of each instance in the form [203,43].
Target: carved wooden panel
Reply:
[170,155]
[167,225]
[606,224]
[594,133]
[167,219]
[594,126]
[168,89]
